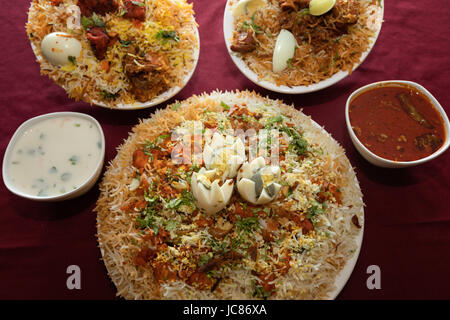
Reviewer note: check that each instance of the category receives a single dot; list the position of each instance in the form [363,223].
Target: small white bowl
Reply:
[82,189]
[228,28]
[385,163]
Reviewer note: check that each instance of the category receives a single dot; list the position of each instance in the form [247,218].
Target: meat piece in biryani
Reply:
[324,44]
[193,208]
[96,68]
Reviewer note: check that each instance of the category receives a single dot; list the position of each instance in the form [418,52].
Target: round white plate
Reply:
[158,99]
[228,25]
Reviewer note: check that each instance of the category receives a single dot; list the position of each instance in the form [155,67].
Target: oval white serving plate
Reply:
[82,189]
[228,24]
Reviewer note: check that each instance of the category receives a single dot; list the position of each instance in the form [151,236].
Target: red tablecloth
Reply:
[407,227]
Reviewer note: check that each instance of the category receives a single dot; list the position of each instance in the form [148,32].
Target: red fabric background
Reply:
[407,227]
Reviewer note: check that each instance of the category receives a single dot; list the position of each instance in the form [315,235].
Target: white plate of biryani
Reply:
[119,54]
[251,228]
[281,46]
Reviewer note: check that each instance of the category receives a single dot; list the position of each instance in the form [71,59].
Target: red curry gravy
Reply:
[397,123]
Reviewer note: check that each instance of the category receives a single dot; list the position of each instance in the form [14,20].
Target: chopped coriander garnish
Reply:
[162,137]
[252,25]
[261,293]
[225,106]
[137,3]
[98,21]
[299,145]
[203,260]
[336,57]
[194,167]
[247,224]
[187,198]
[72,59]
[147,217]
[273,120]
[171,225]
[108,95]
[303,12]
[166,35]
[173,203]
[94,21]
[176,106]
[86,22]
[315,209]
[289,63]
[125,43]
[219,246]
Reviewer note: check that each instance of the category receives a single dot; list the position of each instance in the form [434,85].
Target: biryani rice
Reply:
[87,80]
[309,66]
[311,276]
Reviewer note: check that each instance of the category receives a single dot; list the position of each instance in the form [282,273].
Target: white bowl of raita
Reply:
[54,157]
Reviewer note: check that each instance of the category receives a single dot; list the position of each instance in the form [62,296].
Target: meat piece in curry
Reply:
[146,72]
[244,42]
[99,41]
[88,7]
[134,10]
[293,4]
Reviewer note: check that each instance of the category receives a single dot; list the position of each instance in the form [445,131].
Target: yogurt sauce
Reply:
[55,156]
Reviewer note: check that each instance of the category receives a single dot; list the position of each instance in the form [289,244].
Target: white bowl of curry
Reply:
[396,124]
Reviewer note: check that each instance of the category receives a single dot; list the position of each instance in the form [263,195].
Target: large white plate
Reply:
[158,99]
[228,25]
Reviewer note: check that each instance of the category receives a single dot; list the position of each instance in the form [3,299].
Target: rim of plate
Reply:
[158,99]
[342,277]
[228,23]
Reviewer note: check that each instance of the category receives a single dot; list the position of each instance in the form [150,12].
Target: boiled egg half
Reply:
[284,50]
[225,154]
[257,182]
[59,48]
[210,195]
